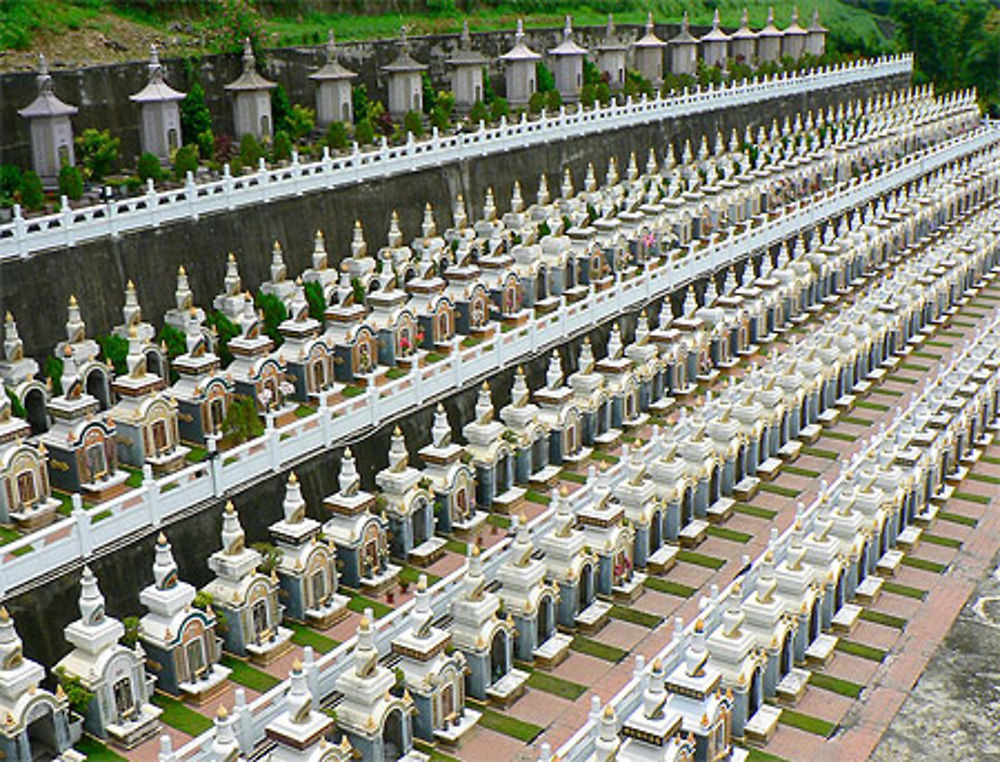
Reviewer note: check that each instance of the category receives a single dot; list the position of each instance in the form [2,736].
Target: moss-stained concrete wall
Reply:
[37,289]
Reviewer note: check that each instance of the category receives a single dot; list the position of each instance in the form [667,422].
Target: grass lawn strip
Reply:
[915,366]
[359,603]
[306,636]
[509,726]
[807,723]
[178,716]
[860,649]
[936,539]
[95,751]
[635,616]
[432,753]
[867,405]
[991,459]
[732,535]
[985,478]
[456,546]
[700,559]
[598,650]
[878,617]
[819,452]
[840,435]
[923,355]
[924,564]
[756,511]
[247,676]
[572,476]
[899,589]
[411,575]
[537,497]
[835,685]
[756,755]
[886,392]
[970,497]
[498,521]
[549,683]
[777,489]
[856,420]
[799,471]
[957,518]
[669,587]
[942,344]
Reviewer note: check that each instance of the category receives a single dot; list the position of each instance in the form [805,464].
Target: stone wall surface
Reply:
[37,289]
[102,92]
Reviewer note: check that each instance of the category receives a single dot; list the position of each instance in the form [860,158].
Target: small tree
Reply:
[78,696]
[224,148]
[301,121]
[132,629]
[359,99]
[250,150]
[174,339]
[553,100]
[588,95]
[274,315]
[543,76]
[114,349]
[479,113]
[282,148]
[185,160]
[536,103]
[206,144]
[281,108]
[195,116]
[603,93]
[413,123]
[202,600]
[336,136]
[270,556]
[439,118]
[32,193]
[241,422]
[316,300]
[429,93]
[225,330]
[11,181]
[499,108]
[52,369]
[364,133]
[97,151]
[149,167]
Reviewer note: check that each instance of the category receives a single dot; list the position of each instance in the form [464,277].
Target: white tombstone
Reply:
[51,128]
[568,65]
[466,72]
[649,54]
[160,122]
[251,99]
[333,89]
[405,81]
[519,63]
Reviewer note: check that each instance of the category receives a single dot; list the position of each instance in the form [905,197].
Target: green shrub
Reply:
[274,314]
[336,136]
[499,108]
[301,121]
[439,118]
[587,95]
[359,99]
[195,116]
[316,300]
[413,124]
[97,151]
[78,696]
[11,181]
[185,160]
[429,93]
[52,369]
[553,101]
[240,424]
[250,151]
[536,103]
[114,349]
[149,167]
[479,113]
[546,82]
[282,148]
[281,108]
[206,144]
[225,330]
[603,93]
[174,340]
[32,193]
[364,133]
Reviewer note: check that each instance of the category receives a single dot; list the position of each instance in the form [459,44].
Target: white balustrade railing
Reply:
[24,237]
[68,542]
[322,673]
